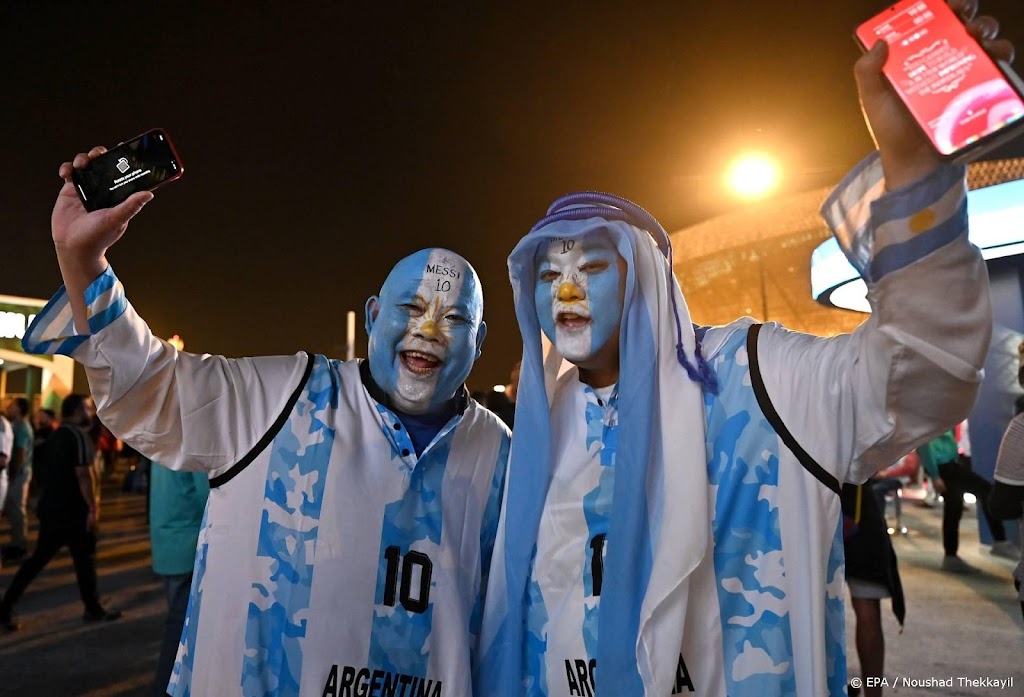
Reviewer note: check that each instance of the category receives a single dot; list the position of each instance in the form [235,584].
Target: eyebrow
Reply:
[408,296]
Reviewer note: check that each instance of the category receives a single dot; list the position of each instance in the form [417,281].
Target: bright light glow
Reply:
[177,342]
[753,176]
[970,499]
[1,361]
[498,388]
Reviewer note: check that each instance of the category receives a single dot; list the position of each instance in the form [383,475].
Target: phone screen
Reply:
[952,87]
[141,164]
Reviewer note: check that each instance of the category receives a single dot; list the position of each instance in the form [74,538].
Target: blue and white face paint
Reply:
[579,294]
[425,329]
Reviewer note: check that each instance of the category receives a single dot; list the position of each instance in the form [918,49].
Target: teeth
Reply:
[419,354]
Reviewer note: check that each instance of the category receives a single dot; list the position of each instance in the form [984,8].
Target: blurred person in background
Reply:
[872,574]
[69,510]
[503,403]
[177,502]
[952,476]
[1006,500]
[45,420]
[6,445]
[19,468]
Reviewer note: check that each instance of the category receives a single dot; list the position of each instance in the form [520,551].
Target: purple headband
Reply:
[596,204]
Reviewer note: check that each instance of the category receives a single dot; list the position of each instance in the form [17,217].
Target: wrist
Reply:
[80,266]
[900,172]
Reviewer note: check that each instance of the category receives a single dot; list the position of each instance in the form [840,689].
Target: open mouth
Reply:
[572,322]
[420,363]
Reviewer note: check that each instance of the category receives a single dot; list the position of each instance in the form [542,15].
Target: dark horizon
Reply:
[323,143]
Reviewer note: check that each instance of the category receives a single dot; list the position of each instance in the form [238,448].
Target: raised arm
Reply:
[859,402]
[183,410]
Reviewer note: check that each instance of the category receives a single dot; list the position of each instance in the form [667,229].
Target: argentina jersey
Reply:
[568,567]
[360,572]
[332,559]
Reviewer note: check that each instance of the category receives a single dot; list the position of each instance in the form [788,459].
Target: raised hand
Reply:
[82,239]
[93,233]
[906,153]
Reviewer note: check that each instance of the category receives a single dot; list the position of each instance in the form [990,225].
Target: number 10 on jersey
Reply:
[408,567]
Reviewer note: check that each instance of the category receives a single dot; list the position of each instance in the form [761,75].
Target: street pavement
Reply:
[56,653]
[957,627]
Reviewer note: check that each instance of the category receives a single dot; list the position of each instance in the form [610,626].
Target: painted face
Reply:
[579,294]
[425,329]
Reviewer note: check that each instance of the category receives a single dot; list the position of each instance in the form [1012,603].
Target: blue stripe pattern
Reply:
[488,534]
[854,224]
[897,256]
[757,642]
[297,472]
[398,637]
[602,428]
[629,556]
[101,285]
[180,684]
[835,617]
[105,300]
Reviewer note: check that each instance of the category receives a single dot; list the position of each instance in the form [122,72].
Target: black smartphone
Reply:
[963,100]
[140,164]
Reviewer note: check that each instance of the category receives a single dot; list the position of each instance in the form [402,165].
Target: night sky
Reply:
[323,142]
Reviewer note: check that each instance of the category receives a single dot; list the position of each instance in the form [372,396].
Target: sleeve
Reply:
[23,437]
[928,463]
[1010,460]
[183,410]
[859,402]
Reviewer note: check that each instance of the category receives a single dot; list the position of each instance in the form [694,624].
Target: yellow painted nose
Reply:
[428,330]
[570,292]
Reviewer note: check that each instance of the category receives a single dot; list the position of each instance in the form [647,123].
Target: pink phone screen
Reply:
[951,86]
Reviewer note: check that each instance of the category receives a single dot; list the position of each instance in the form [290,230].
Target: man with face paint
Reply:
[353,505]
[672,515]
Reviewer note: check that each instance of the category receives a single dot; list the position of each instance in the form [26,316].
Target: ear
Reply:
[372,309]
[481,334]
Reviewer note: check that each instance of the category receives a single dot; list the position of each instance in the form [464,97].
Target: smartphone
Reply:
[140,164]
[963,100]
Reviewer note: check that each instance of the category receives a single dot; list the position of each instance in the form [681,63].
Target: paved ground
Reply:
[957,626]
[56,653]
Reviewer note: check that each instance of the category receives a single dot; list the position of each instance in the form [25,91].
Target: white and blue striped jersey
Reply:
[332,560]
[763,609]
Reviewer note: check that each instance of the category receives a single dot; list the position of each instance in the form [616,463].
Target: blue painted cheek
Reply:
[605,306]
[387,334]
[542,300]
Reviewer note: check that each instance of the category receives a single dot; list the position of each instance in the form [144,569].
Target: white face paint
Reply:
[578,294]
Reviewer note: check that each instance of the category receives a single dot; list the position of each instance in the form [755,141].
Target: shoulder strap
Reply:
[226,476]
[763,401]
